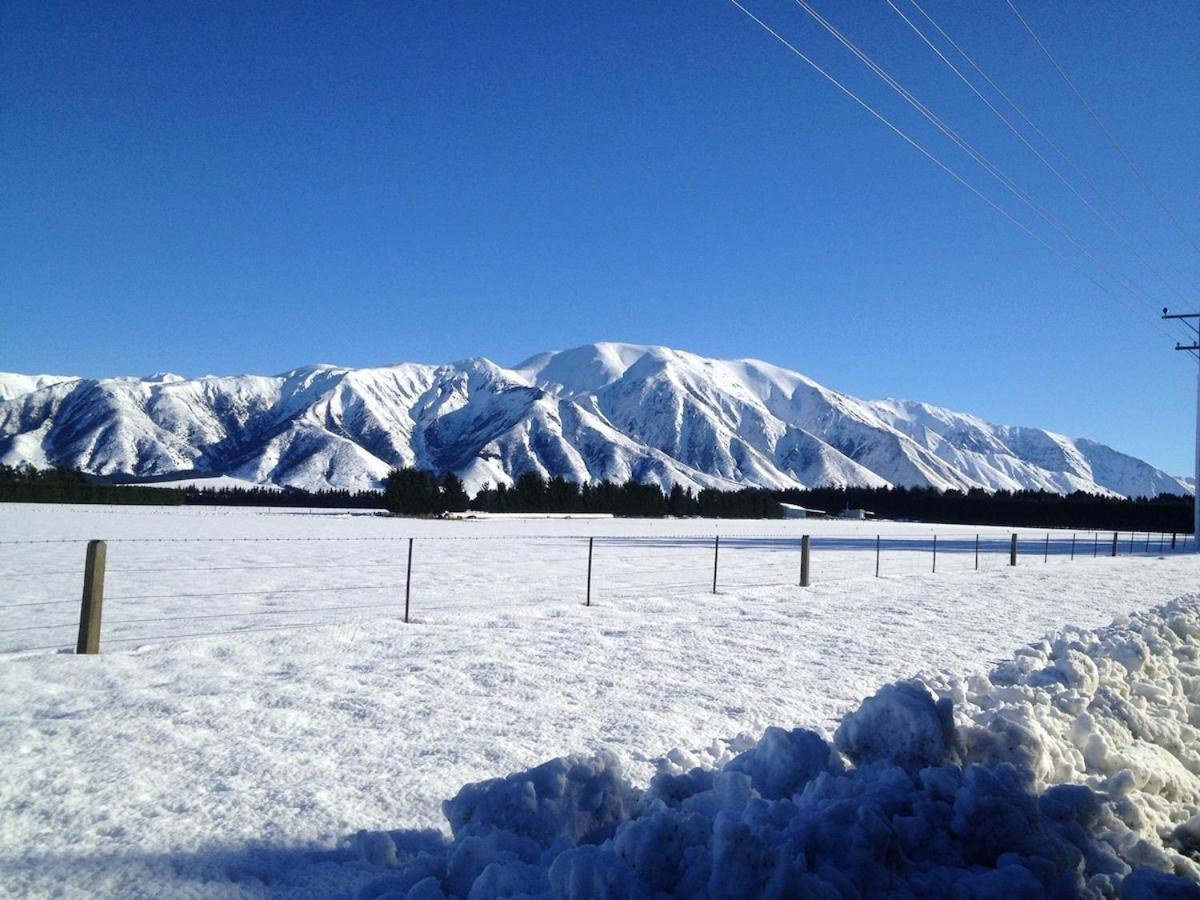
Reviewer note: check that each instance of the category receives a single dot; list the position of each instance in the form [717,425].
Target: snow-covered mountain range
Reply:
[601,411]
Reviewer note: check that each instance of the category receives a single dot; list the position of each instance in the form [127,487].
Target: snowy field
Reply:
[223,744]
[193,571]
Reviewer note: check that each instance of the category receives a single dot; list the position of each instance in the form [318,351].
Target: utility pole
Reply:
[1193,347]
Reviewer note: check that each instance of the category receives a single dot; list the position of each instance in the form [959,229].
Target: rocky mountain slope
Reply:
[601,411]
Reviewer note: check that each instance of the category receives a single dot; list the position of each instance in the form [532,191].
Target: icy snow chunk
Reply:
[1188,834]
[994,812]
[658,848]
[420,875]
[426,889]
[377,848]
[785,761]
[1079,672]
[902,724]
[578,798]
[1146,884]
[1071,803]
[587,872]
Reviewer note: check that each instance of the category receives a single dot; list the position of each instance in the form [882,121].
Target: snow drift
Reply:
[601,411]
[1071,770]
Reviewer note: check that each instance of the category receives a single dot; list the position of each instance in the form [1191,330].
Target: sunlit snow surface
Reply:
[240,764]
[602,411]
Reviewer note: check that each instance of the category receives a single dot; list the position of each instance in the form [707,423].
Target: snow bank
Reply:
[1072,770]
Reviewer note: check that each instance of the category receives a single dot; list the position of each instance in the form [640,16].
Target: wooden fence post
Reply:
[935,553]
[1132,538]
[589,580]
[93,598]
[1046,555]
[1072,548]
[716,556]
[1012,552]
[805,549]
[1096,545]
[876,556]
[408,580]
[1114,549]
[976,553]
[1172,540]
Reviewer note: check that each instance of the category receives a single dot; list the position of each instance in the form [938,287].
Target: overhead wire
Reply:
[1104,198]
[917,145]
[900,132]
[1036,152]
[989,167]
[1133,166]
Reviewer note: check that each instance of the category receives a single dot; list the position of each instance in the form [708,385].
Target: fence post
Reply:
[1172,540]
[1012,552]
[1162,538]
[935,553]
[876,556]
[1072,548]
[589,580]
[1114,550]
[976,553]
[805,548]
[408,580]
[716,554]
[1147,550]
[93,598]
[1096,546]
[1132,538]
[1046,555]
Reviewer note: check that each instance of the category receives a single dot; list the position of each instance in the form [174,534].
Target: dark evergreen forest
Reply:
[411,491]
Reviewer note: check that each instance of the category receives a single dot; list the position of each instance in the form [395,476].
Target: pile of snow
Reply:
[1072,770]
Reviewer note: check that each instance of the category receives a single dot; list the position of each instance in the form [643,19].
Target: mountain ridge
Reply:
[599,411]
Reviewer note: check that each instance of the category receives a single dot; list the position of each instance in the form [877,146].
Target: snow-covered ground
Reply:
[194,571]
[237,764]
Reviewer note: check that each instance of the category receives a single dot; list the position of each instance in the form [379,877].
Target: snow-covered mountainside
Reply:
[14,385]
[601,411]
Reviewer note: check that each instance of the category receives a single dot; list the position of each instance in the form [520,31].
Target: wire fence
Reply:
[165,589]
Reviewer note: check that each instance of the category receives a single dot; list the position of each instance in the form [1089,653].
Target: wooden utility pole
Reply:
[588,601]
[408,580]
[93,598]
[1193,347]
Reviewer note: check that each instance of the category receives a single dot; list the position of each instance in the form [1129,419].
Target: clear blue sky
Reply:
[229,187]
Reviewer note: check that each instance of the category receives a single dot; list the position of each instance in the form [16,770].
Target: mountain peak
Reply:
[607,410]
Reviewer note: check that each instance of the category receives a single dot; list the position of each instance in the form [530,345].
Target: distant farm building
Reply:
[792,511]
[856,514]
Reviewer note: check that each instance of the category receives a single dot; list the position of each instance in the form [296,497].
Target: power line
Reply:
[1112,207]
[1034,150]
[895,128]
[1111,137]
[975,155]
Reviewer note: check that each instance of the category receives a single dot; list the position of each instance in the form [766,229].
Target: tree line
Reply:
[1022,509]
[412,491]
[331,498]
[25,484]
